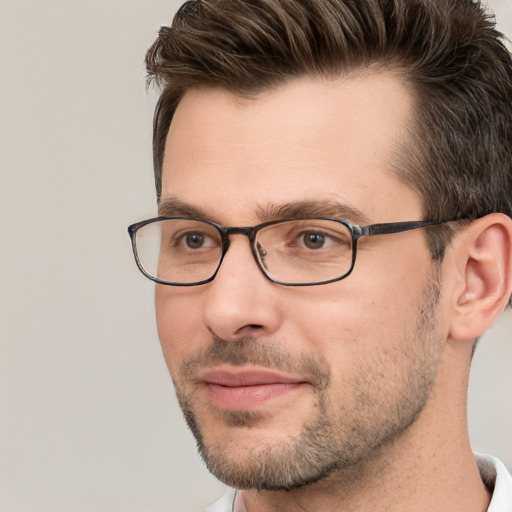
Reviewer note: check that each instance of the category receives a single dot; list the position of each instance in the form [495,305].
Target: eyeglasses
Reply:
[183,251]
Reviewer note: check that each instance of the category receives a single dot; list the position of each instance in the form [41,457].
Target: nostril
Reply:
[251,327]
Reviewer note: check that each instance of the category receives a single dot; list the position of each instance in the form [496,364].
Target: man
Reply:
[334,188]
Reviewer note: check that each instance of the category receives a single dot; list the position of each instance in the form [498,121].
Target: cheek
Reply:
[350,322]
[347,314]
[178,324]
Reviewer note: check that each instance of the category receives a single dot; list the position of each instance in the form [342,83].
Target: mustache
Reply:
[264,354]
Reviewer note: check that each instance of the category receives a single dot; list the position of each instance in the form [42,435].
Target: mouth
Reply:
[247,389]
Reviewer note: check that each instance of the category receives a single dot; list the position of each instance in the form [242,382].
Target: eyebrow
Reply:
[174,207]
[313,209]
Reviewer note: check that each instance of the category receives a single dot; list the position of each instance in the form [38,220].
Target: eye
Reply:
[314,240]
[194,240]
[308,237]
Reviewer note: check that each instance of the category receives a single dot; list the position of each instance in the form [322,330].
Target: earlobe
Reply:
[483,253]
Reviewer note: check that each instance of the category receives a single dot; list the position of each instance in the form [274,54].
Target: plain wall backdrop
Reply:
[88,418]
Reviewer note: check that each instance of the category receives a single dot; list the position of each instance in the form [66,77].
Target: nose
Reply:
[241,302]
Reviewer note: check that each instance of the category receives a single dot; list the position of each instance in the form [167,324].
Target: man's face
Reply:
[283,386]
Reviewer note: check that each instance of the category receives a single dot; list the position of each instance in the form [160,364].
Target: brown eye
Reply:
[314,240]
[194,240]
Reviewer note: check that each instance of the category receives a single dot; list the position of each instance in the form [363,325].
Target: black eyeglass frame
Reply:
[250,232]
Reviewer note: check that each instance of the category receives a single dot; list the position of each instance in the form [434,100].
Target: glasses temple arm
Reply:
[391,227]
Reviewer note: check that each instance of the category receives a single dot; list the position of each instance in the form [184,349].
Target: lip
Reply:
[247,389]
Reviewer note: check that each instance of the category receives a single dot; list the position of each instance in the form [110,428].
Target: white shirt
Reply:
[495,476]
[493,472]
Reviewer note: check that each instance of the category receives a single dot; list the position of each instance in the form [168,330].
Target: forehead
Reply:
[307,140]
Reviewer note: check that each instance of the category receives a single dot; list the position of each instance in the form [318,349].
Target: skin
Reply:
[392,376]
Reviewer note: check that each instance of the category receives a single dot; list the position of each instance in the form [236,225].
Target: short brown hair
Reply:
[459,156]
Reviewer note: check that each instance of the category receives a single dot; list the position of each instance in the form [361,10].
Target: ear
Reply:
[482,253]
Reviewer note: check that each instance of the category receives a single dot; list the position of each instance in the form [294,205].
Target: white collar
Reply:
[498,480]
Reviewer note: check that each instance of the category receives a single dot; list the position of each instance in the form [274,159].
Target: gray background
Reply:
[88,419]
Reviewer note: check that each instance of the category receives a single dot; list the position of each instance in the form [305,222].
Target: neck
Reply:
[428,467]
[445,478]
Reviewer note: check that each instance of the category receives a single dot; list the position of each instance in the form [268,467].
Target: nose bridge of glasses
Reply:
[249,232]
[226,232]
[246,231]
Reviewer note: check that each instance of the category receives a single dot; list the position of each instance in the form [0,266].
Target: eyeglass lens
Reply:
[185,251]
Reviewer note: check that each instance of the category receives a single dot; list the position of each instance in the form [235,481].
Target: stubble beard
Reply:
[338,439]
